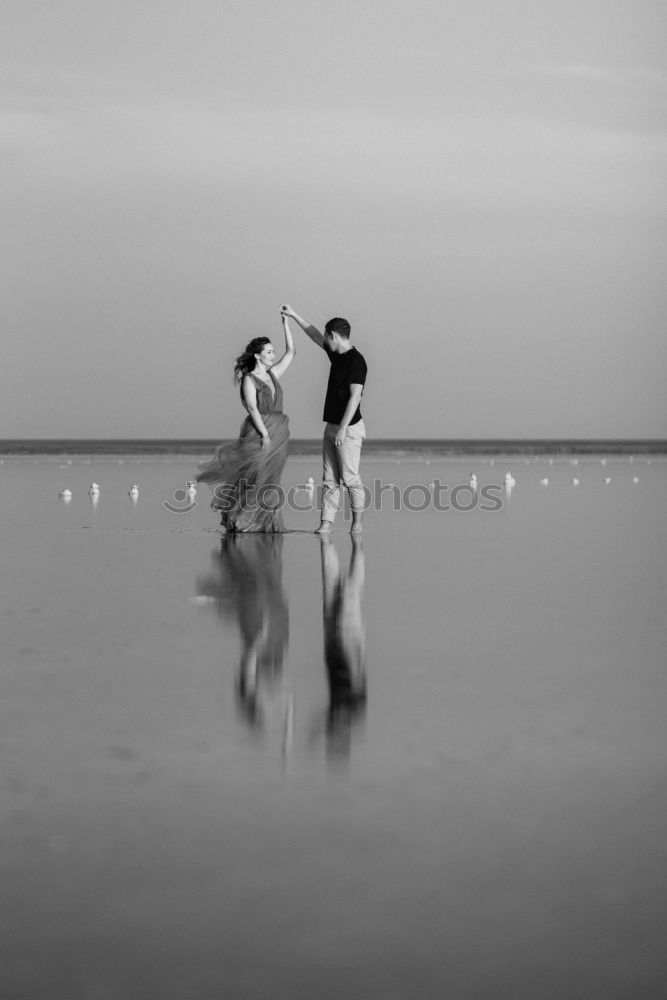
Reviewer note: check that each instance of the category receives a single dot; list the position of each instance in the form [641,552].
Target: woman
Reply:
[243,473]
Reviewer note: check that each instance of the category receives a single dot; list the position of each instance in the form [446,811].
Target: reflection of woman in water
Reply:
[344,642]
[243,472]
[247,585]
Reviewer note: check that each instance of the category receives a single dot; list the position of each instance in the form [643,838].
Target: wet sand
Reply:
[431,764]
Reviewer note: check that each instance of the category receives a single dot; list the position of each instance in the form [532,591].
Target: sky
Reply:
[478,186]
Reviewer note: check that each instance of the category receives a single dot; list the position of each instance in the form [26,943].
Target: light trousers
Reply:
[340,463]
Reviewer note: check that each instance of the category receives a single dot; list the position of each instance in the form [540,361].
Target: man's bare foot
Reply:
[324,528]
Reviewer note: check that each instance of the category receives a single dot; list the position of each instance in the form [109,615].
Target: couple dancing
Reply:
[243,473]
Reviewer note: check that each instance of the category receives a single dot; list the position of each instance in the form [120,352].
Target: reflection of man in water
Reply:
[344,642]
[247,586]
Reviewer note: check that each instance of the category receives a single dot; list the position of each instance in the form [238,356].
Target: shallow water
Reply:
[212,786]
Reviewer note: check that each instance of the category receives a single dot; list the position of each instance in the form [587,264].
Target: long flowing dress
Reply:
[244,475]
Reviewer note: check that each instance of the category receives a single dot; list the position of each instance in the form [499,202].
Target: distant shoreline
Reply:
[312,446]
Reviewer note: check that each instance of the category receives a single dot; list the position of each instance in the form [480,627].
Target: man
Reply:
[344,431]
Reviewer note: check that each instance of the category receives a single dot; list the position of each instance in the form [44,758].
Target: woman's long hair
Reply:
[245,363]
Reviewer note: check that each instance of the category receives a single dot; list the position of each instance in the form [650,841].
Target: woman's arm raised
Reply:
[288,357]
[307,328]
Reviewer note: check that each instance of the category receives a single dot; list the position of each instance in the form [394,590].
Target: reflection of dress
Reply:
[242,472]
[246,584]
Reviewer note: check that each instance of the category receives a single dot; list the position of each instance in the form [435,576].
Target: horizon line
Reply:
[439,440]
[302,447]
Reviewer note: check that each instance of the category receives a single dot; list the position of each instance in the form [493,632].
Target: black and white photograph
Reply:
[333,466]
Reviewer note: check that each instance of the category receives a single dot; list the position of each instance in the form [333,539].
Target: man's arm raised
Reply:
[307,328]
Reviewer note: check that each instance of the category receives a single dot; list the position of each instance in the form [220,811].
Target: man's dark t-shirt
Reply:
[345,369]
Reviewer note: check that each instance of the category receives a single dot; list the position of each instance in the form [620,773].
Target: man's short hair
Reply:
[339,326]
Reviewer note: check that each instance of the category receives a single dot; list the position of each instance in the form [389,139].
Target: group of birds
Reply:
[191,485]
[510,481]
[133,492]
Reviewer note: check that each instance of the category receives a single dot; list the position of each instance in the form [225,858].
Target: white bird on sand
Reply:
[574,461]
[551,461]
[603,461]
[635,479]
[134,491]
[575,482]
[65,494]
[607,480]
[544,482]
[94,489]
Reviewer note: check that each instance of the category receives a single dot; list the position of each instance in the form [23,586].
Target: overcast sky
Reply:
[477,185]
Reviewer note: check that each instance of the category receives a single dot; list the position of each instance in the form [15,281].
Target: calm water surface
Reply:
[431,764]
